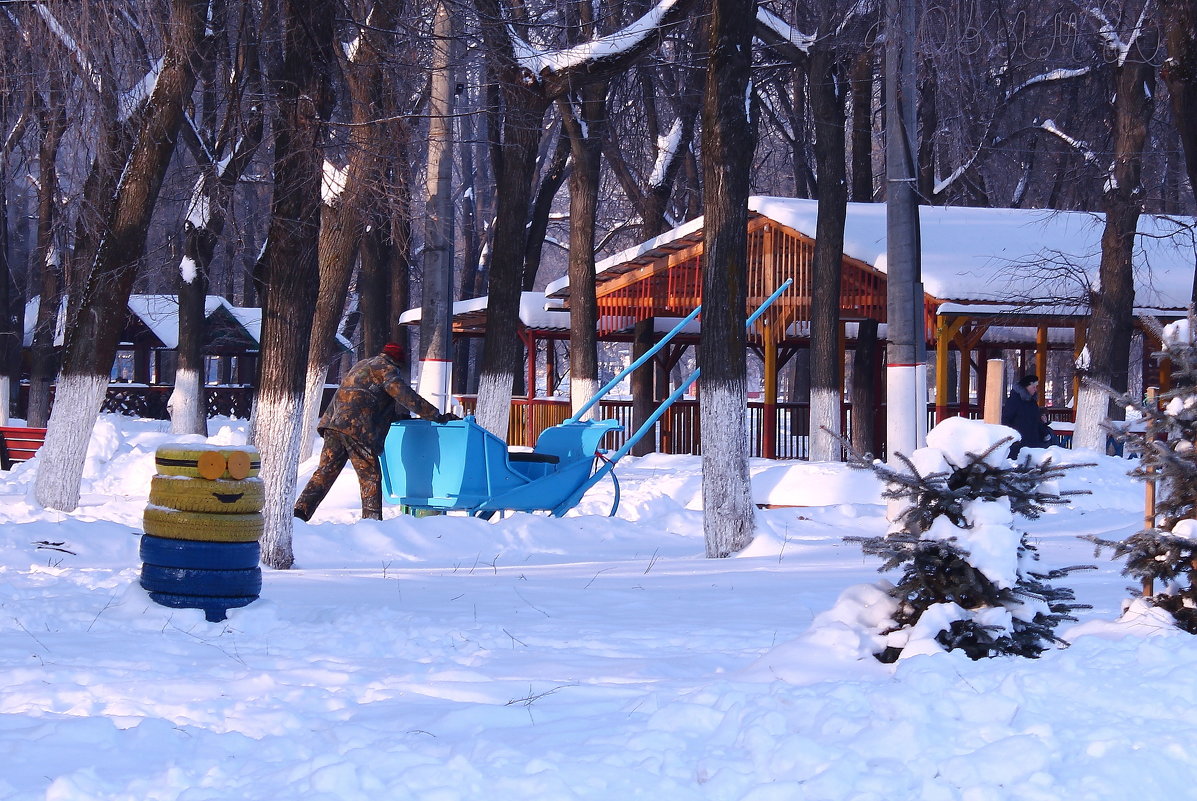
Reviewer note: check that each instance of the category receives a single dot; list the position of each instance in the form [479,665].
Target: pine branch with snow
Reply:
[1163,554]
[967,577]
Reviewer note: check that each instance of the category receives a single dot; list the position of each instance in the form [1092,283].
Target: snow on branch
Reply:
[1109,34]
[1083,148]
[604,47]
[1048,77]
[332,183]
[70,44]
[784,32]
[666,152]
[134,100]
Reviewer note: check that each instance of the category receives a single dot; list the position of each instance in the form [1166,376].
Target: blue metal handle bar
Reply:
[609,463]
[614,382]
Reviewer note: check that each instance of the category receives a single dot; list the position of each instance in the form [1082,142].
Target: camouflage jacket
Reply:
[371,397]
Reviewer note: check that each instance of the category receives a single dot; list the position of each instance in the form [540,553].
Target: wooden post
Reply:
[769,407]
[530,432]
[643,397]
[945,331]
[995,373]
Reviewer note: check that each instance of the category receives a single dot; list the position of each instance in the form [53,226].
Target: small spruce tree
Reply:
[967,577]
[1163,554]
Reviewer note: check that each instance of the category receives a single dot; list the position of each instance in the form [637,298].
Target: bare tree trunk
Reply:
[585,123]
[45,263]
[1180,75]
[188,411]
[343,218]
[91,335]
[862,127]
[436,321]
[10,334]
[864,388]
[224,156]
[502,349]
[304,98]
[552,177]
[1111,307]
[826,392]
[728,511]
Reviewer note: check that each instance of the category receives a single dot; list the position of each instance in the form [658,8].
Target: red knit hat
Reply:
[394,350]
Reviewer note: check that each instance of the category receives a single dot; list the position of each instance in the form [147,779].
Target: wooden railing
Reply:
[150,402]
[678,431]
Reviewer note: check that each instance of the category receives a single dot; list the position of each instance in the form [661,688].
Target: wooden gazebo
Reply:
[994,280]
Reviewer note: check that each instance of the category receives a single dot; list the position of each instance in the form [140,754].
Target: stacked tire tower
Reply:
[202,524]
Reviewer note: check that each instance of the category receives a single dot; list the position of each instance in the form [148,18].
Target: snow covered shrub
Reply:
[967,577]
[1164,555]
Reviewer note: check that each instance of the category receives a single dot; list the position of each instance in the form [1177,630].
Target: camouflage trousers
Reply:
[337,450]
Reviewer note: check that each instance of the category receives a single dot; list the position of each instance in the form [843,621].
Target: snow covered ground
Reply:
[590,657]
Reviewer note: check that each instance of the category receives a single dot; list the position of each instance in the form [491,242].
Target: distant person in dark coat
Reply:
[372,395]
[1022,413]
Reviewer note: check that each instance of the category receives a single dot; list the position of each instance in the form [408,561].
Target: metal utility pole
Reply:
[436,347]
[906,356]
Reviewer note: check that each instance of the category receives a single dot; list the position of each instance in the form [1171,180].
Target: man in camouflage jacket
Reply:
[354,426]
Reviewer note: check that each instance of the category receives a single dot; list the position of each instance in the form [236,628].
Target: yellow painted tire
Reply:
[210,463]
[201,495]
[158,521]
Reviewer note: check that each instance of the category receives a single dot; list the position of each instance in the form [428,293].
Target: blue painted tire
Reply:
[193,582]
[166,552]
[214,607]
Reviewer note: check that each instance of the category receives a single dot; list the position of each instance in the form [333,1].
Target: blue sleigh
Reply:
[460,466]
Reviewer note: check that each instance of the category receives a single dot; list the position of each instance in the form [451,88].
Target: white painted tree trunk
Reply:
[728,511]
[435,384]
[187,412]
[1092,408]
[582,390]
[5,388]
[494,403]
[276,436]
[313,392]
[825,426]
[77,402]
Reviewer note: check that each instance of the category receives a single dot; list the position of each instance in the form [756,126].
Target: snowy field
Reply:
[447,658]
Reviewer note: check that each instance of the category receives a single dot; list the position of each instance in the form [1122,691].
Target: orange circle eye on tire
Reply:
[211,465]
[239,465]
[185,460]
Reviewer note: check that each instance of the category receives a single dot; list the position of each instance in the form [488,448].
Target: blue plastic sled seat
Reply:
[461,466]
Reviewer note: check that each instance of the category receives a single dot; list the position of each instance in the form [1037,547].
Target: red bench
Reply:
[19,444]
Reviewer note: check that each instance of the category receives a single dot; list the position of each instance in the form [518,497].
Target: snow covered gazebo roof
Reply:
[1011,257]
[469,316]
[233,327]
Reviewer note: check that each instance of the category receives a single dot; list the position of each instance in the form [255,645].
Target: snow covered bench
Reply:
[19,444]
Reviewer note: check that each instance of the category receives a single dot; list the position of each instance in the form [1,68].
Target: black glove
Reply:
[446,417]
